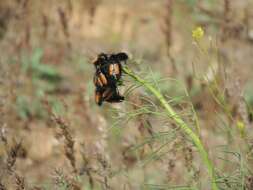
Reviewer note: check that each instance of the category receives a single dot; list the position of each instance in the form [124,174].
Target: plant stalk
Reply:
[179,121]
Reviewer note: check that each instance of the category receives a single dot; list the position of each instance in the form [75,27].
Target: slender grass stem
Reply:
[179,121]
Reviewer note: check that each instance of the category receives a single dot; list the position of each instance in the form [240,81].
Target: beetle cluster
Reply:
[107,77]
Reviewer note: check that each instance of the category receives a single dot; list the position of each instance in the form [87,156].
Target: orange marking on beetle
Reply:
[100,82]
[102,79]
[98,97]
[114,69]
[97,81]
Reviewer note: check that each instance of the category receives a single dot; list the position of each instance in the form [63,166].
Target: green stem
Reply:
[179,121]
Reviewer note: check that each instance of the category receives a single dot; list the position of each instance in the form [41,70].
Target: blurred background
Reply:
[54,136]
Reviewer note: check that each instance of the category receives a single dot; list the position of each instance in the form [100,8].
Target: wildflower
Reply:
[198,33]
[241,127]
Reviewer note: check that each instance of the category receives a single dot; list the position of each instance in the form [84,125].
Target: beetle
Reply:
[100,79]
[114,70]
[121,56]
[109,94]
[112,95]
[115,67]
[102,59]
[107,77]
[98,97]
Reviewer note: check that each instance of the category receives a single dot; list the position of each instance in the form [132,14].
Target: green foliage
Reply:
[22,106]
[57,106]
[191,3]
[33,66]
[167,187]
[45,79]
[178,120]
[248,95]
[27,108]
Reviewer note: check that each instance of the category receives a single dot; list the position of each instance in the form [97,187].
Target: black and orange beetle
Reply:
[114,70]
[98,97]
[119,57]
[100,79]
[112,95]
[102,59]
[107,77]
[115,67]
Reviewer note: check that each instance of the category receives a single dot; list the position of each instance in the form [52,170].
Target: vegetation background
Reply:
[197,53]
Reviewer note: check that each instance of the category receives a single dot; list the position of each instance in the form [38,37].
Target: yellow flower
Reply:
[198,33]
[241,127]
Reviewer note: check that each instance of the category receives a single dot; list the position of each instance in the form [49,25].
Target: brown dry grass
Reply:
[53,136]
